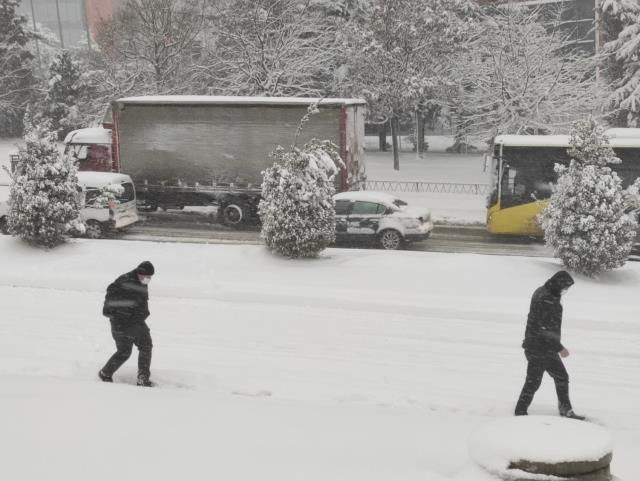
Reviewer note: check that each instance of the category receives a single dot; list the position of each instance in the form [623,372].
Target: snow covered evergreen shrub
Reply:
[296,210]
[585,221]
[44,200]
[66,90]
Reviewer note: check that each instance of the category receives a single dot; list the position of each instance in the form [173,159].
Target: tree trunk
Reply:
[382,137]
[419,134]
[394,141]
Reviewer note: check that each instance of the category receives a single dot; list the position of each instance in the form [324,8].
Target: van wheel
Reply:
[4,226]
[147,208]
[93,229]
[390,239]
[232,214]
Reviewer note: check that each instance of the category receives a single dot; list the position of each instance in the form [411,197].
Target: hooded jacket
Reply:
[127,301]
[544,323]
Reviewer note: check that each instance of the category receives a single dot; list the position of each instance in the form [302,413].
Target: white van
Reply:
[98,219]
[4,207]
[118,214]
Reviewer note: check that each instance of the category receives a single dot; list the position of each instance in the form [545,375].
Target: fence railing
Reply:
[434,187]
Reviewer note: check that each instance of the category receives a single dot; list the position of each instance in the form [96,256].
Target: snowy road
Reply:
[444,239]
[362,365]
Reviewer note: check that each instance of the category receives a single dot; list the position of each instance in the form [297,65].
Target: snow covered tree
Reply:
[17,81]
[585,221]
[66,93]
[522,74]
[346,9]
[399,55]
[157,37]
[271,48]
[621,20]
[296,209]
[44,200]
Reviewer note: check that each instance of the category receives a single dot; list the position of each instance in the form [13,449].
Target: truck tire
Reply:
[232,214]
[93,230]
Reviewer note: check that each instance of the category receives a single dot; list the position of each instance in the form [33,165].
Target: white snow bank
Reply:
[546,439]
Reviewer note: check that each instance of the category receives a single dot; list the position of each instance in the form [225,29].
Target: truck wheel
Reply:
[93,229]
[4,226]
[232,214]
[390,239]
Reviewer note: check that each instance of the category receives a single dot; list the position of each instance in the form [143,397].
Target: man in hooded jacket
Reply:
[126,305]
[542,346]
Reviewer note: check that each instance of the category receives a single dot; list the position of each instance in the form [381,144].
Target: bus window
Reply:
[528,174]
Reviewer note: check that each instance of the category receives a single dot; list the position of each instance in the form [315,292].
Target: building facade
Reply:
[72,21]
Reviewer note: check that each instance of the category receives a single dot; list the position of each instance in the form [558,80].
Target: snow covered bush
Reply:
[44,200]
[585,221]
[296,210]
[66,91]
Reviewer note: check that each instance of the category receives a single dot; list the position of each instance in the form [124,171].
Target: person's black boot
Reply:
[144,381]
[103,377]
[567,412]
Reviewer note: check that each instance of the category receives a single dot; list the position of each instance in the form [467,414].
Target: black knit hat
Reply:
[145,269]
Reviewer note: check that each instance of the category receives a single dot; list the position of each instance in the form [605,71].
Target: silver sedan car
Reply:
[379,217]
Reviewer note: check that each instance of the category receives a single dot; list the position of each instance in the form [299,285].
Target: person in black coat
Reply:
[542,346]
[126,305]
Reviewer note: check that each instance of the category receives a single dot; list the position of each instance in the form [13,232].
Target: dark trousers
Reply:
[125,338]
[538,364]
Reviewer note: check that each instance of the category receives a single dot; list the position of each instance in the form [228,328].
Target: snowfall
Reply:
[361,365]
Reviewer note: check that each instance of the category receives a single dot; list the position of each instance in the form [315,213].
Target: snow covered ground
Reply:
[362,365]
[436,167]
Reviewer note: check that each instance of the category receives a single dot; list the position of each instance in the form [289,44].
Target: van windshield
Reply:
[127,194]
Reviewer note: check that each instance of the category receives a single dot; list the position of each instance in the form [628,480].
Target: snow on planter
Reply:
[536,447]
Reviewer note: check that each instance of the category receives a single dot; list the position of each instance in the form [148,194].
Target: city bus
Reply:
[523,175]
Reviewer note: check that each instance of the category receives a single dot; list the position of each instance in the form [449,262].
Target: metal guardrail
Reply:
[435,187]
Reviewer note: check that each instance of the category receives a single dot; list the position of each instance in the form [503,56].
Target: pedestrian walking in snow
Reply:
[126,306]
[542,346]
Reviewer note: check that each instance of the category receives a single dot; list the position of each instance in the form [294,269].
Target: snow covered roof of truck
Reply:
[616,140]
[229,100]
[96,135]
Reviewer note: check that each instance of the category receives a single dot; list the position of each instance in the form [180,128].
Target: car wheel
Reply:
[93,229]
[232,214]
[390,239]
[4,226]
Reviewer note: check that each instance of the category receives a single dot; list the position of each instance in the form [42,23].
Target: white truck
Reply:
[207,150]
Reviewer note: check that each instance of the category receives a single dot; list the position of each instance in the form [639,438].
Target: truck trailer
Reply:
[211,150]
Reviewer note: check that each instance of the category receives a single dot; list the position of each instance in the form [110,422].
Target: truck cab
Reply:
[92,149]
